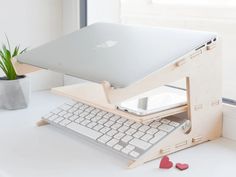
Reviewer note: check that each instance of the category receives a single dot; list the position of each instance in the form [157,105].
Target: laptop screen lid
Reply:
[119,54]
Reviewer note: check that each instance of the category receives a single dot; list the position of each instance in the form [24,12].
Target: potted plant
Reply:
[14,88]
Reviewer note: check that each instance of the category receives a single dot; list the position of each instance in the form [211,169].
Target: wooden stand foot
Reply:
[42,123]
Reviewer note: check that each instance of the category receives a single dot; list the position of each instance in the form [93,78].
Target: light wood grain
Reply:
[202,70]
[22,69]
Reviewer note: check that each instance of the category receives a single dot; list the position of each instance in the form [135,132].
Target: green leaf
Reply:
[23,50]
[6,63]
[6,52]
[1,54]
[4,59]
[8,43]
[3,67]
[16,51]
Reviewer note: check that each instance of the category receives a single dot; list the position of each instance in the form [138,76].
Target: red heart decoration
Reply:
[165,163]
[182,166]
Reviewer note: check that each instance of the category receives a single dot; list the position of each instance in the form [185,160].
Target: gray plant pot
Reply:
[14,94]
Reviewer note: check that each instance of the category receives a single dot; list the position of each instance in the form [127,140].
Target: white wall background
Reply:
[103,11]
[70,16]
[32,23]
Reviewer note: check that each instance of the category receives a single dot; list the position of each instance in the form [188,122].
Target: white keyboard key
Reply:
[134,154]
[159,135]
[121,120]
[114,118]
[129,123]
[74,117]
[92,124]
[104,130]
[144,128]
[98,127]
[53,117]
[140,143]
[123,128]
[166,128]
[130,147]
[72,110]
[152,131]
[80,119]
[102,113]
[89,109]
[126,151]
[146,137]
[59,119]
[116,126]
[165,121]
[84,130]
[155,124]
[112,142]
[90,116]
[136,125]
[127,138]
[118,147]
[78,112]
[77,105]
[95,111]
[104,139]
[119,135]
[65,122]
[85,122]
[83,107]
[102,121]
[130,131]
[109,123]
[67,115]
[108,115]
[62,113]
[112,132]
[138,134]
[96,118]
[84,114]
[175,124]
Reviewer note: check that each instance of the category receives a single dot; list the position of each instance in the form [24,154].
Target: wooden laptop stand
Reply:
[202,70]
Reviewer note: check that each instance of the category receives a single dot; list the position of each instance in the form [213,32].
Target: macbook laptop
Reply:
[119,54]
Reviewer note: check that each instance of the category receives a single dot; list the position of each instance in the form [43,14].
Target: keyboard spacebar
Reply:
[84,130]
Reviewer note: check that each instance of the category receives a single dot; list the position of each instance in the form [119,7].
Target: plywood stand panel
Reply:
[202,70]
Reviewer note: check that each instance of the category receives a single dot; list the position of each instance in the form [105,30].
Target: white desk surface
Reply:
[30,151]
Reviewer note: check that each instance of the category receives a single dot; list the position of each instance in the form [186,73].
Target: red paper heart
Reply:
[182,166]
[165,163]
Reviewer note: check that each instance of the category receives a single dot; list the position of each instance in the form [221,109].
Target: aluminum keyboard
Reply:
[127,137]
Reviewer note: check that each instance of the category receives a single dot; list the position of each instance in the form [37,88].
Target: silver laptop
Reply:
[120,54]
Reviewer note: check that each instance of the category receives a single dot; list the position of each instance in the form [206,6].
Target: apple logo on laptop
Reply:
[107,44]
